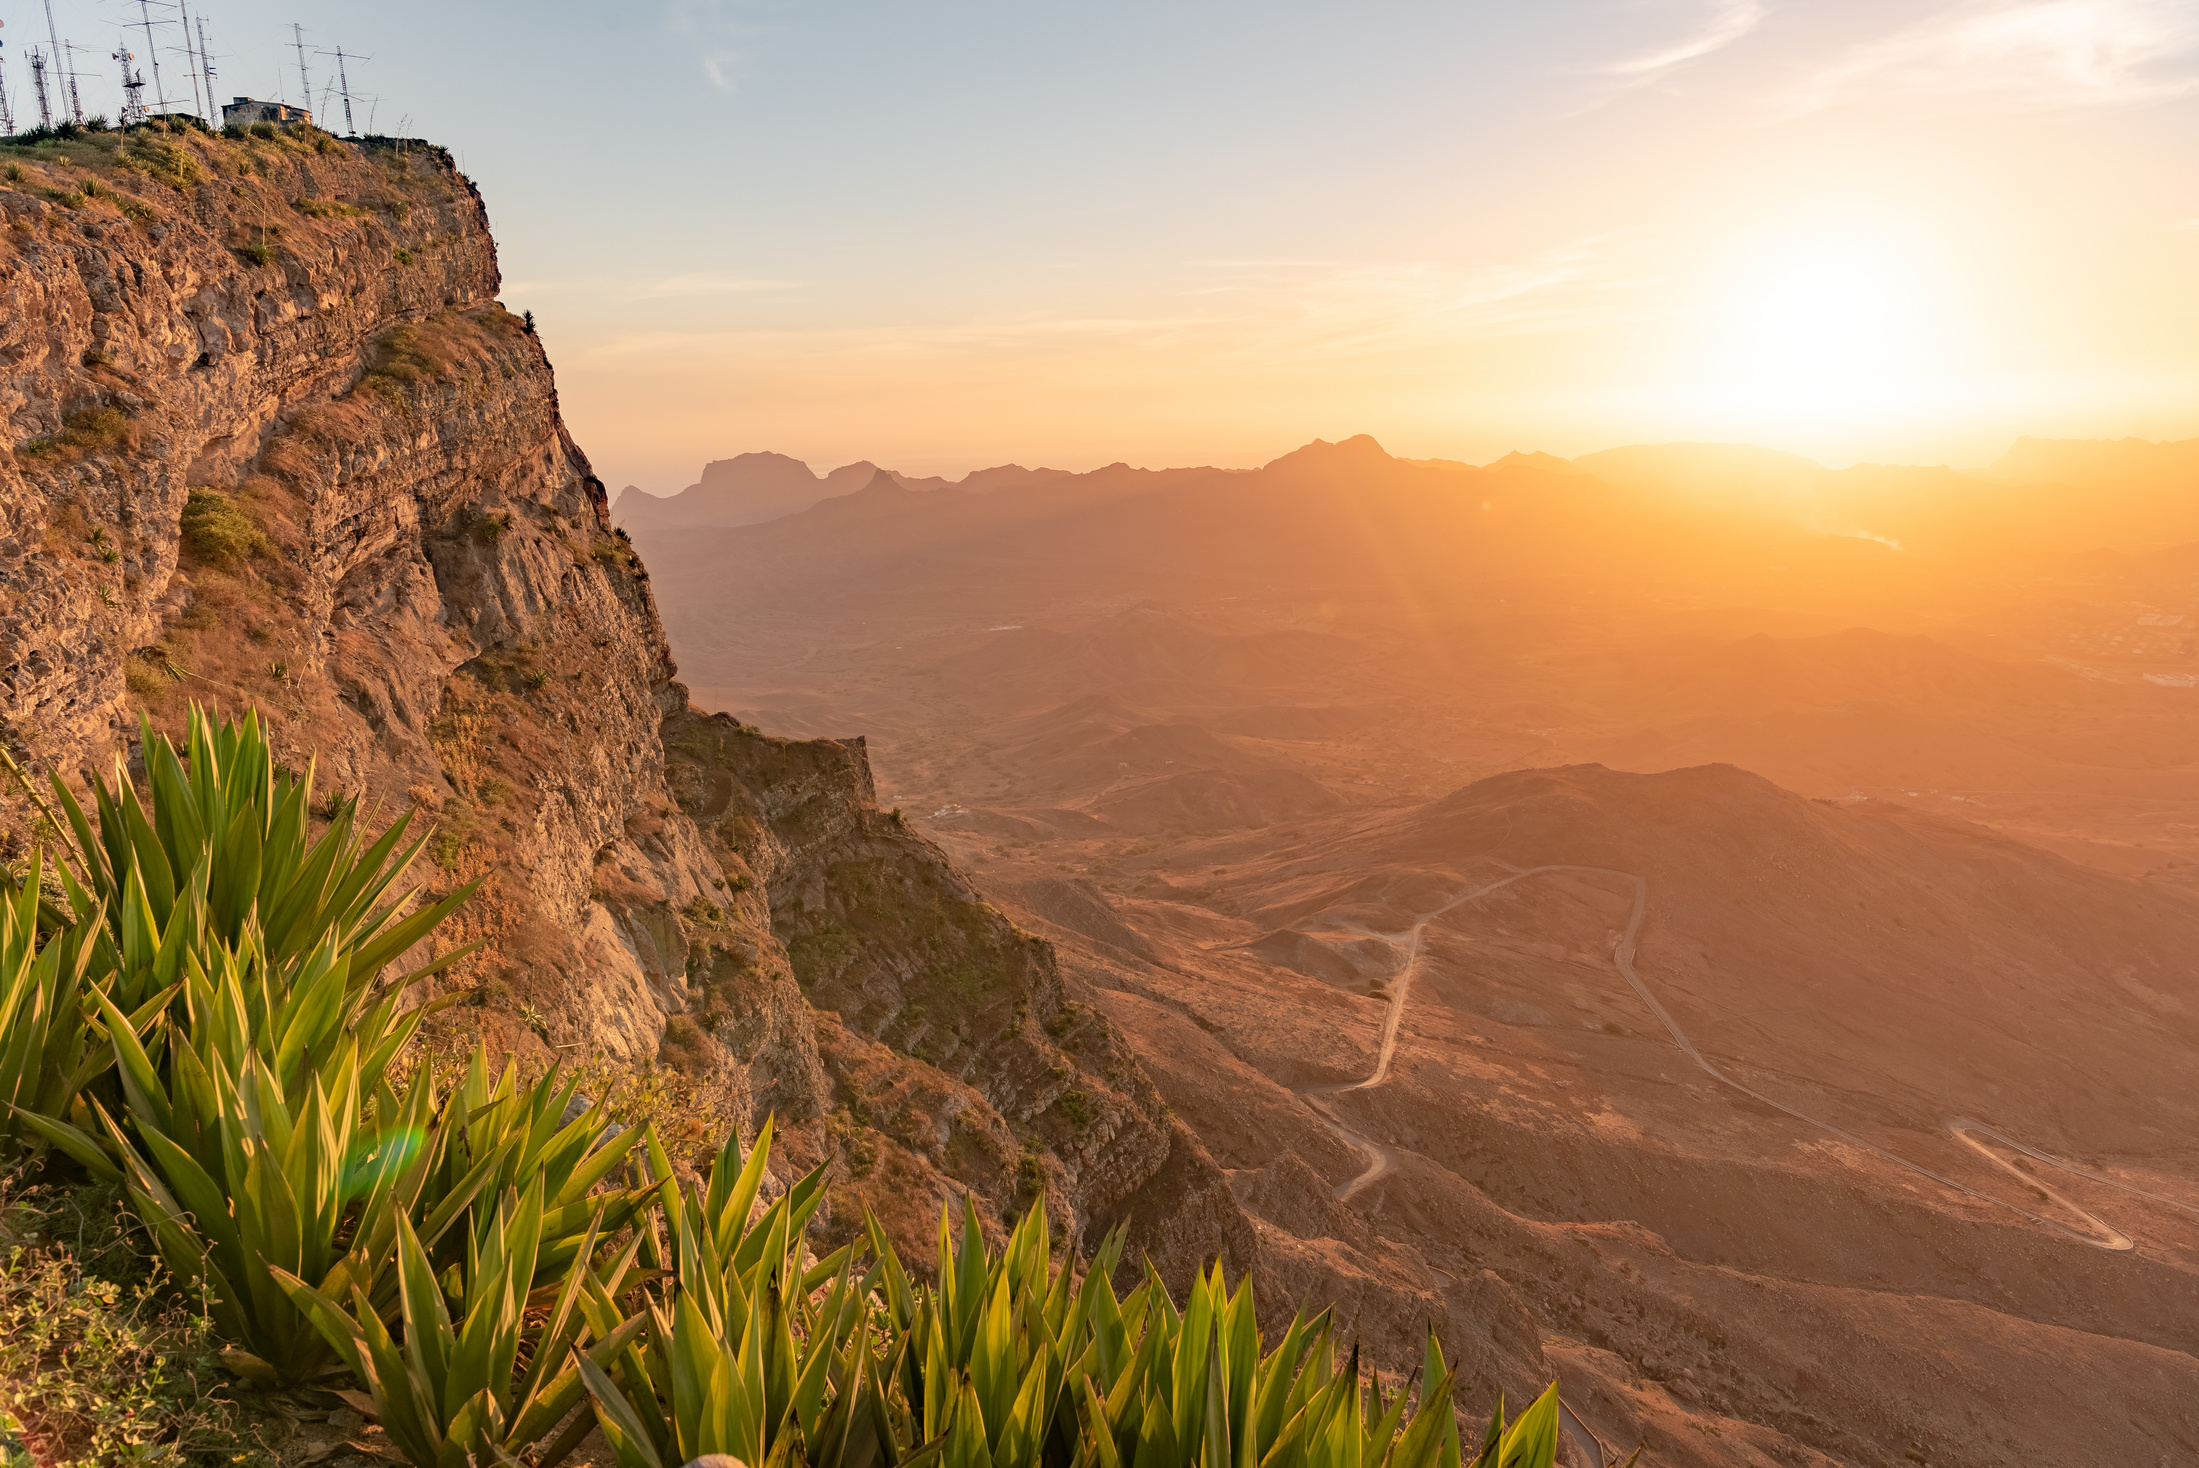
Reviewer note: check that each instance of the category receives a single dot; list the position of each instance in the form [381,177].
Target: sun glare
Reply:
[1841,305]
[1816,326]
[1822,320]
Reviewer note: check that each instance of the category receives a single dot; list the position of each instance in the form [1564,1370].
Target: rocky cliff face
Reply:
[274,442]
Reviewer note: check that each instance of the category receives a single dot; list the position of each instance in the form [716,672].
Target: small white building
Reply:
[245,111]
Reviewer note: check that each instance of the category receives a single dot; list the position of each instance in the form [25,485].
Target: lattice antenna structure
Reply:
[199,105]
[7,112]
[56,58]
[206,64]
[343,85]
[133,89]
[38,85]
[297,33]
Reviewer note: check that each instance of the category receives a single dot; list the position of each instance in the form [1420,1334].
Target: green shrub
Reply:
[91,430]
[401,255]
[259,252]
[221,530]
[160,160]
[399,361]
[117,1372]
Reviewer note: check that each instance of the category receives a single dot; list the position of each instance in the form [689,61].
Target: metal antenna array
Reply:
[199,105]
[38,84]
[152,54]
[343,85]
[133,91]
[56,58]
[298,37]
[7,113]
[69,75]
[206,64]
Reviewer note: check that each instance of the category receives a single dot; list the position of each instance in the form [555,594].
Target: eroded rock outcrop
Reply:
[954,1049]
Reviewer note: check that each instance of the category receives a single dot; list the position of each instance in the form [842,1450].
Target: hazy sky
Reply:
[944,236]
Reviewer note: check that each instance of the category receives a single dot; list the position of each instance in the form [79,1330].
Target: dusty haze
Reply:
[1723,924]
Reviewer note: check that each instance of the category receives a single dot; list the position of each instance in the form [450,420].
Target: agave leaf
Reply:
[621,1427]
[1532,1440]
[77,1144]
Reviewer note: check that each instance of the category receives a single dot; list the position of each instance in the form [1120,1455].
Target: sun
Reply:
[1826,319]
[1839,305]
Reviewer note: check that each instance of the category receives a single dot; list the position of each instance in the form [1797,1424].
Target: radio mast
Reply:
[206,64]
[191,60]
[298,37]
[133,91]
[57,58]
[7,113]
[152,54]
[343,85]
[69,74]
[38,84]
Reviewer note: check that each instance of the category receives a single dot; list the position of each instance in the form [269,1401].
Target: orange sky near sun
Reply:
[1878,232]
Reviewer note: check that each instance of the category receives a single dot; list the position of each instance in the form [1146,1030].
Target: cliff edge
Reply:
[272,440]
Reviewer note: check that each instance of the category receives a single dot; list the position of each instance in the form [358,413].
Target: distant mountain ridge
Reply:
[749,489]
[2131,495]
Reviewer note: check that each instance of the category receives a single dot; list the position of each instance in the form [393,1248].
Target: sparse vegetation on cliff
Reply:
[220,530]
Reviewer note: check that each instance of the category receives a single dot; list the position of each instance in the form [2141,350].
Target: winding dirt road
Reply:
[1410,945]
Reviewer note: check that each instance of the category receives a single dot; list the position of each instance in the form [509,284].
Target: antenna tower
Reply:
[56,58]
[38,84]
[343,85]
[69,74]
[191,61]
[152,54]
[206,64]
[133,91]
[297,33]
[7,113]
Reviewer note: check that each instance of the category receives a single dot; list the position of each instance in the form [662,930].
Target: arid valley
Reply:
[1743,936]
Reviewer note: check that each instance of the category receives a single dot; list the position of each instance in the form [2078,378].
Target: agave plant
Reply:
[49,1050]
[739,1356]
[1007,1363]
[227,810]
[253,1147]
[224,847]
[237,979]
[508,1135]
[497,1379]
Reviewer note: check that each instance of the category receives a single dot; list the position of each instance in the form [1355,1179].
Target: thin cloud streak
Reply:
[2040,56]
[1729,22]
[1263,314]
[722,33]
